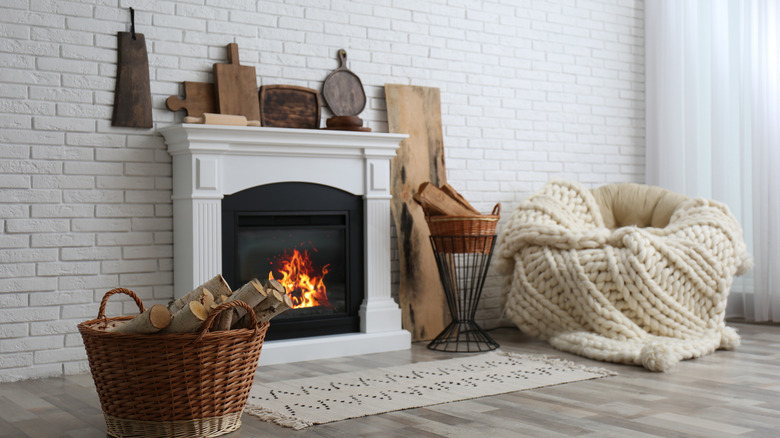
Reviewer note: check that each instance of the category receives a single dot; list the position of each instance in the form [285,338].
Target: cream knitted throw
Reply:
[644,296]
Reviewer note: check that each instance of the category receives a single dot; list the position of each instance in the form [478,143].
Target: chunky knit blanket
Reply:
[644,296]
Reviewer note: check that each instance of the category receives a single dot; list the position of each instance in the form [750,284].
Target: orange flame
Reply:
[304,287]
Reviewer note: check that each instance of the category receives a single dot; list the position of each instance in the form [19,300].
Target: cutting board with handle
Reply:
[343,90]
[133,97]
[199,98]
[236,87]
[289,106]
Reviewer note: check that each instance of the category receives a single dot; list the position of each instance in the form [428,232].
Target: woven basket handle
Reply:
[496,209]
[206,326]
[119,290]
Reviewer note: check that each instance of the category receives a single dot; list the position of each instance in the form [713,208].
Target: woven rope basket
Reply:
[480,231]
[172,385]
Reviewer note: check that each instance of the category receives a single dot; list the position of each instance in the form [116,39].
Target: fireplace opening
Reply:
[310,238]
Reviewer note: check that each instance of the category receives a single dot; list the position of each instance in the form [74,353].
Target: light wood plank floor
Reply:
[729,393]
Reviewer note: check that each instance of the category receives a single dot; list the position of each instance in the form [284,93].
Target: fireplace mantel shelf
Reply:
[211,161]
[188,138]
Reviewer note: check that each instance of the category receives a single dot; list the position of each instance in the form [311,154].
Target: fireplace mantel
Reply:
[211,161]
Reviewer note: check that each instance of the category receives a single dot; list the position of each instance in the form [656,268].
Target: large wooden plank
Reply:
[416,111]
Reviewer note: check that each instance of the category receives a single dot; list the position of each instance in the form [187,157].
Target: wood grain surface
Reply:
[420,158]
[290,106]
[343,91]
[236,87]
[199,98]
[133,97]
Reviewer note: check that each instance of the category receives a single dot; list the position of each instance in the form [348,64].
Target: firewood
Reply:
[152,320]
[436,202]
[275,285]
[265,307]
[266,315]
[188,319]
[251,293]
[207,299]
[217,286]
[452,193]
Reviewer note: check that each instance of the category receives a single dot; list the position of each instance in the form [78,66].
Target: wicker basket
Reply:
[480,231]
[172,385]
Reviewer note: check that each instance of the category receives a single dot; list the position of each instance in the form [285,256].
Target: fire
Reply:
[304,286]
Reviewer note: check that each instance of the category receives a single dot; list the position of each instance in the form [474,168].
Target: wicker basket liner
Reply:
[195,382]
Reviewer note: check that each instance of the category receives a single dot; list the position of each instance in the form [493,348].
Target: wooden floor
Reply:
[729,393]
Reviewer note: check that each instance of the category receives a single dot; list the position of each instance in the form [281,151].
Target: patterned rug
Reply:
[301,403]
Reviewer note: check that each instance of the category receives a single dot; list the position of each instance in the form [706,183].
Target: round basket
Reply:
[172,385]
[480,231]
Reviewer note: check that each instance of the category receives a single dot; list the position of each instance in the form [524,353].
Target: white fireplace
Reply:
[211,161]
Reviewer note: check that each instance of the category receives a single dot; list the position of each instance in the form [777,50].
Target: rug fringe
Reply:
[269,415]
[559,362]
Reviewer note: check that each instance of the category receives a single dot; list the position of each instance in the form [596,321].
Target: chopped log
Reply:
[272,306]
[266,315]
[188,319]
[251,293]
[208,301]
[275,285]
[152,320]
[436,202]
[452,193]
[217,286]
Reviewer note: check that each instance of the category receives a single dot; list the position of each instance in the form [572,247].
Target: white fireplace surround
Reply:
[211,161]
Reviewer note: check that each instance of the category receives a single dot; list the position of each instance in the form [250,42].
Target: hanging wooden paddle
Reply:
[133,96]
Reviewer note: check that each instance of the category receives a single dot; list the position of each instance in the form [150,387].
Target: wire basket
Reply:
[483,228]
[172,385]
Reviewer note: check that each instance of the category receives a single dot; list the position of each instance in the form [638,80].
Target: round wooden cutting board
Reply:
[343,91]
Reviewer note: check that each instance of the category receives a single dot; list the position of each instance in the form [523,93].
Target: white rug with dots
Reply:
[304,402]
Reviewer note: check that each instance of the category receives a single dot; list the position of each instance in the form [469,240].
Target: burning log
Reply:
[152,320]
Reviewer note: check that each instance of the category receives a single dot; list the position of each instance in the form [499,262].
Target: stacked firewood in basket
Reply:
[443,201]
[186,314]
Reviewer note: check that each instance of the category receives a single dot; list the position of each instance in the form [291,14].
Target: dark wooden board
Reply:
[289,106]
[416,111]
[343,91]
[199,98]
[133,96]
[236,87]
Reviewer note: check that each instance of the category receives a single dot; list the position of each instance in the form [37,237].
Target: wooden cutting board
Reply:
[199,98]
[132,97]
[236,87]
[416,111]
[290,106]
[343,91]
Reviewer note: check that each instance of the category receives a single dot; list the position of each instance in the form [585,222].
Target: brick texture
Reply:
[531,90]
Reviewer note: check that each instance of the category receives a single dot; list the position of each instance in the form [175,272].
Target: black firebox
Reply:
[310,238]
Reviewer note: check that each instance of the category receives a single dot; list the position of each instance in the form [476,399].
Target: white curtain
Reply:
[713,124]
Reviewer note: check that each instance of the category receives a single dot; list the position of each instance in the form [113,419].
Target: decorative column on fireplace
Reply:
[211,162]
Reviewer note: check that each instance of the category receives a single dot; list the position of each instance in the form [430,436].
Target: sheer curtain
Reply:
[713,125]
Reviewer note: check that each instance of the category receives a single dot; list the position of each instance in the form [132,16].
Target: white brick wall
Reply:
[531,90]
